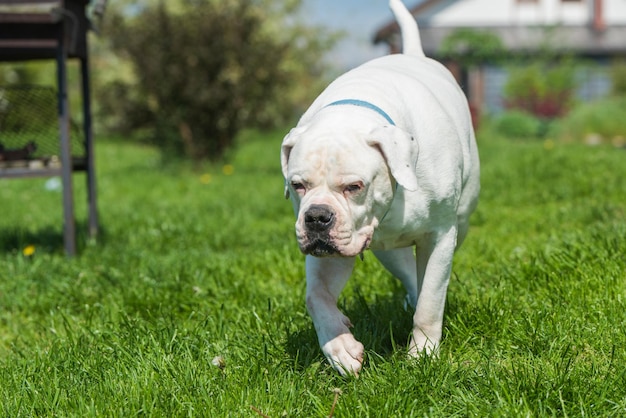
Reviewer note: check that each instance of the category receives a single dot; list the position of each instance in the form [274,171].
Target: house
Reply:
[594,29]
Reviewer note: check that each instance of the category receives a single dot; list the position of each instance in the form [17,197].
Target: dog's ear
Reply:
[288,143]
[400,151]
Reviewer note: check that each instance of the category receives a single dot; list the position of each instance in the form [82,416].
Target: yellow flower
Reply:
[228,169]
[205,178]
[28,251]
[548,144]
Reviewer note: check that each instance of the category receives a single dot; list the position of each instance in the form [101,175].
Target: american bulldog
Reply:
[385,159]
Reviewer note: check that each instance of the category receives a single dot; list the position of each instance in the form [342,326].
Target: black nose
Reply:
[319,218]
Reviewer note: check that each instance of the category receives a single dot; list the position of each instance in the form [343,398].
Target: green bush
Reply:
[544,90]
[618,77]
[204,70]
[517,124]
[472,47]
[603,119]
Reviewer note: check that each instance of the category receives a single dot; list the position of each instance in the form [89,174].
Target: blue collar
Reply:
[365,104]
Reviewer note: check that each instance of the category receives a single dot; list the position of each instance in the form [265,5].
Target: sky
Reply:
[359,19]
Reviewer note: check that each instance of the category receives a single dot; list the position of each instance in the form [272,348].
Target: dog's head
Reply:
[341,182]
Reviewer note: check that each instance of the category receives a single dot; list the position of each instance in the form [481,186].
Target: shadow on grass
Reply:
[48,239]
[15,239]
[382,326]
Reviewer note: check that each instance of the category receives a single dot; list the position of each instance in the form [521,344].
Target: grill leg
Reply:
[69,224]
[89,150]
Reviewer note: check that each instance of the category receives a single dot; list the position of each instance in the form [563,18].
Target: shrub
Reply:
[204,70]
[618,78]
[603,119]
[517,124]
[544,90]
[472,47]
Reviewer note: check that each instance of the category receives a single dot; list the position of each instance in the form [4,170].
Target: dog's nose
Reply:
[319,218]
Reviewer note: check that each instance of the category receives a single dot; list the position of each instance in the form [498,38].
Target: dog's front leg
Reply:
[325,278]
[434,265]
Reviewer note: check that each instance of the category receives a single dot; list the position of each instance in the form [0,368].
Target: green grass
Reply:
[192,265]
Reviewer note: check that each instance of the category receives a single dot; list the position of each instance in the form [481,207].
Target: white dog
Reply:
[384,159]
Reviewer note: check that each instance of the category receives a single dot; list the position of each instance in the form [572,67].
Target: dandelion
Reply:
[205,178]
[219,362]
[548,144]
[228,169]
[28,251]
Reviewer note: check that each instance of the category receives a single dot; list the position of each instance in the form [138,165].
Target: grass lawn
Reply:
[194,265]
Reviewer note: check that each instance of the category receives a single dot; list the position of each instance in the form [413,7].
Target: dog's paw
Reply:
[345,354]
[422,344]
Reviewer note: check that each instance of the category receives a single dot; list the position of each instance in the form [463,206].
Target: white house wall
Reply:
[466,13]
[454,13]
[615,12]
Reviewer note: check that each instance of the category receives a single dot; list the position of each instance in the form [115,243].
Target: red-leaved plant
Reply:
[546,91]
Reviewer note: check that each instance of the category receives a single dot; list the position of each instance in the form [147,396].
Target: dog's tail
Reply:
[411,42]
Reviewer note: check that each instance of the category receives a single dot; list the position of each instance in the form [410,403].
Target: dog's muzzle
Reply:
[319,218]
[318,222]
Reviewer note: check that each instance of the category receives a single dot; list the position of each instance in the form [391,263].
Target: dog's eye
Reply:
[353,188]
[298,187]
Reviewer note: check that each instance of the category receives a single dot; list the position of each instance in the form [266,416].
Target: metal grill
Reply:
[35,126]
[29,125]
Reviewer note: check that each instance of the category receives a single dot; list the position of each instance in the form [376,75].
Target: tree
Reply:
[206,69]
